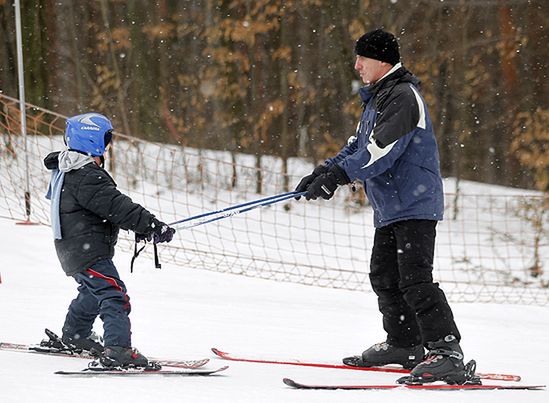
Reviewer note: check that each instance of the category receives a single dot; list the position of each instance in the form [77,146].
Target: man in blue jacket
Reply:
[394,153]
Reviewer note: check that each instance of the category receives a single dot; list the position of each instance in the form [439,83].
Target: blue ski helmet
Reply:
[89,133]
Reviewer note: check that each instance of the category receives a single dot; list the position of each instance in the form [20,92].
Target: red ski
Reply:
[387,368]
[298,385]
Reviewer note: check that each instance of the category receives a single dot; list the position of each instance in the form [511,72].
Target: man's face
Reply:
[370,70]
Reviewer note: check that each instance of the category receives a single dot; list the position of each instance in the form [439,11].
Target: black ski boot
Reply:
[92,343]
[443,362]
[123,357]
[383,353]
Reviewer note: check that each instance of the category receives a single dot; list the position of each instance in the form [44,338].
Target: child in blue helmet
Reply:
[87,211]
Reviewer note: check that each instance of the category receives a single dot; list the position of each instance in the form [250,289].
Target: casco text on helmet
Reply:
[89,133]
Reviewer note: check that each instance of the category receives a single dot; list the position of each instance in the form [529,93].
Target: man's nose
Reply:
[357,64]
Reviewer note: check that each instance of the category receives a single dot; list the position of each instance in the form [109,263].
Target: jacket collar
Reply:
[397,73]
[367,91]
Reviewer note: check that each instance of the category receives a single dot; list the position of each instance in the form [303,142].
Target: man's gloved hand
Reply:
[307,180]
[158,232]
[326,184]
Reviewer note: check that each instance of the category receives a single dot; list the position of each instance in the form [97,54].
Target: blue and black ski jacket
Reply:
[394,152]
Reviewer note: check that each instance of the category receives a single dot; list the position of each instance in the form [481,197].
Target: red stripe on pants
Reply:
[112,282]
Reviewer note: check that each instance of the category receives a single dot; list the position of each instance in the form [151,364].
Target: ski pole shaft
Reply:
[237,206]
[236,209]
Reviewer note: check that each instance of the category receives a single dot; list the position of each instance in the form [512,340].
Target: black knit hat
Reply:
[380,45]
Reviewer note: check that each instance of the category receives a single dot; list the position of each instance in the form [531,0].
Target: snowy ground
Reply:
[180,313]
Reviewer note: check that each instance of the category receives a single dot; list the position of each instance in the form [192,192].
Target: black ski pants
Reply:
[415,310]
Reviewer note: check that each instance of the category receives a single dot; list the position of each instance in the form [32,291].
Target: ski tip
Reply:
[71,372]
[290,382]
[507,387]
[500,377]
[218,352]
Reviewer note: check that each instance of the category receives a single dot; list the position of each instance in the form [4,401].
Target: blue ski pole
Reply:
[236,209]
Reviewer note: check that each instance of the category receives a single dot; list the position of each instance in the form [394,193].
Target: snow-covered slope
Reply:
[181,313]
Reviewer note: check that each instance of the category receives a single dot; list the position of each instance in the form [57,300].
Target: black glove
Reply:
[163,233]
[306,181]
[326,184]
[142,237]
[158,232]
